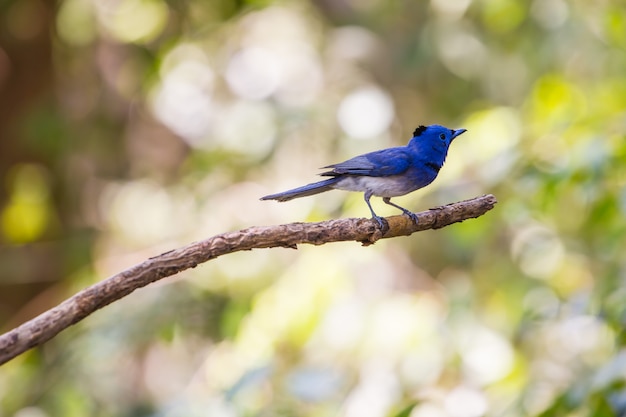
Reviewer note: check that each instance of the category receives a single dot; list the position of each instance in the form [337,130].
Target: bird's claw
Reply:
[382,223]
[412,216]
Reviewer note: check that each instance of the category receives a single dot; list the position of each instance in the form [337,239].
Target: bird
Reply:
[386,173]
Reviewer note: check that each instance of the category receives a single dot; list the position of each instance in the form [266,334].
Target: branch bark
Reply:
[50,323]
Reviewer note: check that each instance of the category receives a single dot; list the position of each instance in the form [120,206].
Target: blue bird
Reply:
[386,173]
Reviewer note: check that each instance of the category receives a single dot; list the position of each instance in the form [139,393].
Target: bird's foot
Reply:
[411,216]
[382,223]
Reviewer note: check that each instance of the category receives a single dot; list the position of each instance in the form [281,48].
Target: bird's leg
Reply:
[411,215]
[381,222]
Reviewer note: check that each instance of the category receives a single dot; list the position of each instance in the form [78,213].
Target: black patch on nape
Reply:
[420,129]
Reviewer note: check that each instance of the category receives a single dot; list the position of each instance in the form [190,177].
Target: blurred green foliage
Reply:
[130,127]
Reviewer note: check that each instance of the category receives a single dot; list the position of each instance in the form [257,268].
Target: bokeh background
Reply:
[130,127]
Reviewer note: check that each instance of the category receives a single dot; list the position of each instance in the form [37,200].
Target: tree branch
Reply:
[50,323]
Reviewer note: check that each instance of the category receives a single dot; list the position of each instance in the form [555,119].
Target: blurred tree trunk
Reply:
[25,72]
[26,81]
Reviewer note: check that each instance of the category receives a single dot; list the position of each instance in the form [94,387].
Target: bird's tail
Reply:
[305,190]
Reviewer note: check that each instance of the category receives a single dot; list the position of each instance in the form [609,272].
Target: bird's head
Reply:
[436,136]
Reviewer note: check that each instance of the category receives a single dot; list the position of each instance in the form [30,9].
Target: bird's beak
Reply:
[458,132]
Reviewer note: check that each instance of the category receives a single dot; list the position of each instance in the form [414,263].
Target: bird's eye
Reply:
[442,136]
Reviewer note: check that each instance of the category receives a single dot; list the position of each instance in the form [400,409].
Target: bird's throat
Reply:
[433,166]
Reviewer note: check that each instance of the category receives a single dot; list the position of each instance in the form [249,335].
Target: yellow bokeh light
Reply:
[137,21]
[75,22]
[28,213]
[557,101]
[502,16]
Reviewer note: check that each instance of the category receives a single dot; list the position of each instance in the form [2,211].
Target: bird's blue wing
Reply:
[383,163]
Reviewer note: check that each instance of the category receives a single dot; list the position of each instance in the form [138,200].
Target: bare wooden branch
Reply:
[48,324]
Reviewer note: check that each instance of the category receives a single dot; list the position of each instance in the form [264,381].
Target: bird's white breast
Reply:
[392,186]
